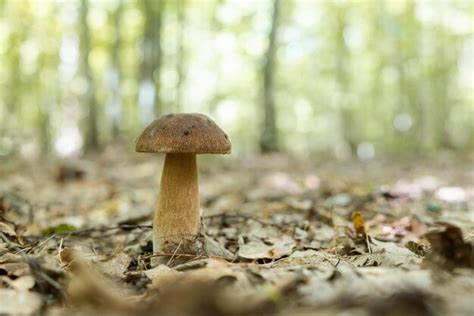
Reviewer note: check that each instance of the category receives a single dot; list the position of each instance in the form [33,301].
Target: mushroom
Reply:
[177,218]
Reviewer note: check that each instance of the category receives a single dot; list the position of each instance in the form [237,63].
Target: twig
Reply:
[174,253]
[130,227]
[159,254]
[40,245]
[248,217]
[152,255]
[34,266]
[102,229]
[190,265]
[367,242]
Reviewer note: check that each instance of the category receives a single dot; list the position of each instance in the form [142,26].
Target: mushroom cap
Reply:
[183,133]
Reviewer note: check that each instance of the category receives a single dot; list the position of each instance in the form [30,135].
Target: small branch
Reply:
[174,254]
[35,267]
[247,217]
[102,229]
[86,231]
[160,254]
[153,255]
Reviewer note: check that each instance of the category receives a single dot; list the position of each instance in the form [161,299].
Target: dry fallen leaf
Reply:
[257,249]
[114,266]
[90,289]
[19,302]
[7,229]
[15,269]
[160,275]
[449,250]
[10,257]
[23,283]
[359,224]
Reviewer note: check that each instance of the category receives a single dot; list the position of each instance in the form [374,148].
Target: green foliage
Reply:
[350,76]
[59,229]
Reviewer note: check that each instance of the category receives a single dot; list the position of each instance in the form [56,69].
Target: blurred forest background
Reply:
[332,78]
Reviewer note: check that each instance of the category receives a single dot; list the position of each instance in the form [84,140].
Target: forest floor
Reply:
[382,238]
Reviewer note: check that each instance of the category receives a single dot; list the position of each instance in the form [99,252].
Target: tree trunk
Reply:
[215,26]
[115,105]
[43,124]
[149,94]
[14,86]
[269,136]
[92,130]
[180,54]
[348,136]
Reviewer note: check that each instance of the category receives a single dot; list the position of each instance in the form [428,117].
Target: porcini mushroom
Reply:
[177,218]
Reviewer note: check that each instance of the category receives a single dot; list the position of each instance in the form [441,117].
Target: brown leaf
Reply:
[359,223]
[256,249]
[160,276]
[449,250]
[66,256]
[116,265]
[91,290]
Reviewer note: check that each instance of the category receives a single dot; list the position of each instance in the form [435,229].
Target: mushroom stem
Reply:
[177,218]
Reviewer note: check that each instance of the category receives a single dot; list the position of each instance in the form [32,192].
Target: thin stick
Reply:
[174,253]
[102,229]
[367,242]
[248,217]
[156,254]
[34,266]
[39,245]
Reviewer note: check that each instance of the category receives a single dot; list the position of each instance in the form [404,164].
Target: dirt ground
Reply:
[302,238]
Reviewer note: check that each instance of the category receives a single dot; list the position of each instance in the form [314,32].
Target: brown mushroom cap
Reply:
[183,133]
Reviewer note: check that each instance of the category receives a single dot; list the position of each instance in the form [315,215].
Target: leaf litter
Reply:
[283,237]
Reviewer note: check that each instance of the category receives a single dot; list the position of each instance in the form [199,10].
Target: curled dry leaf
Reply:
[7,229]
[420,248]
[160,275]
[66,256]
[386,254]
[257,249]
[359,223]
[213,248]
[449,250]
[115,266]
